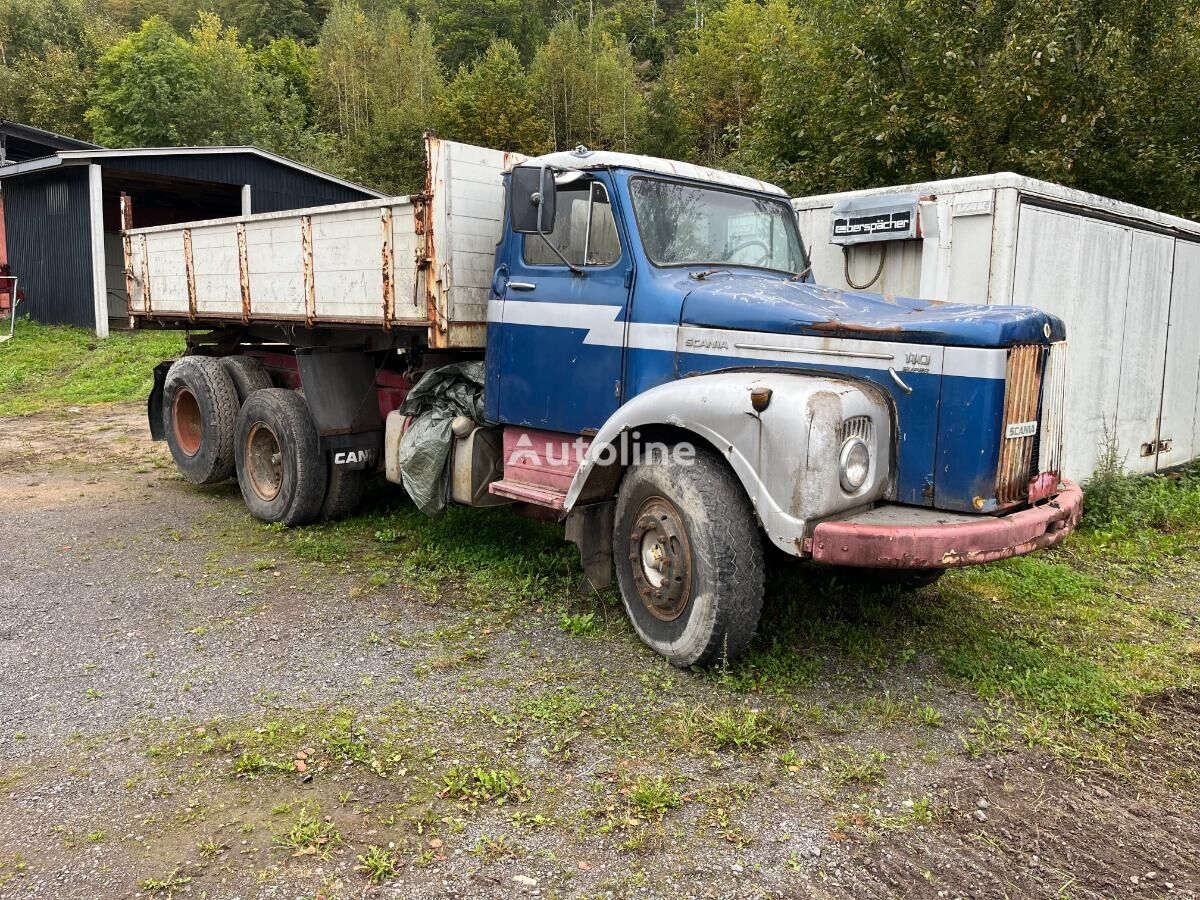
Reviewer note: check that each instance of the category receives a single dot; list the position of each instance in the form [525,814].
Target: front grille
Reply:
[857,426]
[1022,397]
[1054,398]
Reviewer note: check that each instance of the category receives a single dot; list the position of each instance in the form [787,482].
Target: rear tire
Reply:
[344,492]
[247,374]
[279,465]
[689,559]
[199,417]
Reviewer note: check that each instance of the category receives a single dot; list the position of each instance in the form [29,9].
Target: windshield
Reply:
[682,224]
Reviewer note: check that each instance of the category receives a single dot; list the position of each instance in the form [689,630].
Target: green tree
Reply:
[464,29]
[644,24]
[33,26]
[491,103]
[1091,93]
[295,65]
[377,85]
[716,85]
[665,135]
[588,88]
[262,21]
[155,88]
[49,88]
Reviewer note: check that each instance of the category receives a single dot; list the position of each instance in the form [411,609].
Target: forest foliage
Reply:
[824,95]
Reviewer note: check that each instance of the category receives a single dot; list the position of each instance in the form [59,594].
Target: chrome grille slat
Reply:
[857,426]
[1054,398]
[1021,399]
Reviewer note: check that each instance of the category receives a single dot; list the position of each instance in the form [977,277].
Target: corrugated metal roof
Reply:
[42,136]
[85,156]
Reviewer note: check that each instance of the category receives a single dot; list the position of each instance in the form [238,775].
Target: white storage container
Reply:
[1125,279]
[423,262]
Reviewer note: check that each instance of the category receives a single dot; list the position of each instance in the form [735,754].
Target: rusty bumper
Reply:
[929,541]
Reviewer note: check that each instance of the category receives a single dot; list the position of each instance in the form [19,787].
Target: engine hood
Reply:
[766,303]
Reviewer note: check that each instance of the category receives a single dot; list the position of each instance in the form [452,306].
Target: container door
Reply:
[563,331]
[1179,432]
[1144,349]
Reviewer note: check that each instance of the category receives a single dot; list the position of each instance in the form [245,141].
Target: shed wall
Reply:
[49,245]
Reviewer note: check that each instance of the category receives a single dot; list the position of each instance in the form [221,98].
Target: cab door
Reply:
[563,330]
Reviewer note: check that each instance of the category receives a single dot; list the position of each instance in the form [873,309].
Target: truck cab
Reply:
[662,319]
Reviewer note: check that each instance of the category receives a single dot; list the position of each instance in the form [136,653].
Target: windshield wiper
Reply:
[700,276]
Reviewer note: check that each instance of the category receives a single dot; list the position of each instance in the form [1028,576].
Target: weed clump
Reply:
[479,785]
[1117,502]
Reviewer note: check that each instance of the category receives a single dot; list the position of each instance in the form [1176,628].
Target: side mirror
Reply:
[532,193]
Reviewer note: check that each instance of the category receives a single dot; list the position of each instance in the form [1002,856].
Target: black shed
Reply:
[63,214]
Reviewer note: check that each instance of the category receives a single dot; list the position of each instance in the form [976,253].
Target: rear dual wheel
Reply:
[247,375]
[280,468]
[276,455]
[344,492]
[200,408]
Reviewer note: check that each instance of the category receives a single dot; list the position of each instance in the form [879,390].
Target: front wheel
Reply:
[688,558]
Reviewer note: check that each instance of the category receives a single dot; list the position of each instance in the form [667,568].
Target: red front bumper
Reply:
[899,537]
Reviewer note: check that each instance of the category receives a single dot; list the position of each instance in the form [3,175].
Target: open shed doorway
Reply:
[155,200]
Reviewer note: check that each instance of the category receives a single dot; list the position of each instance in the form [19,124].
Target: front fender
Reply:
[786,456]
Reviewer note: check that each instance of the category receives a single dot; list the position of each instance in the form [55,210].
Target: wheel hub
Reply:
[264,462]
[187,422]
[661,559]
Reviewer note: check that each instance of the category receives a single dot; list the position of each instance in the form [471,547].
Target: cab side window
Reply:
[585,231]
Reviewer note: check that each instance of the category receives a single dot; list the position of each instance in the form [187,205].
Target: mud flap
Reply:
[339,388]
[154,403]
[589,527]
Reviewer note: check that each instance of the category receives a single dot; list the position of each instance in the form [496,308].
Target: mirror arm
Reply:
[566,262]
[541,233]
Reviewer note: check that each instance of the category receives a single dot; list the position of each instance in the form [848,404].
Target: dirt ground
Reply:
[189,708]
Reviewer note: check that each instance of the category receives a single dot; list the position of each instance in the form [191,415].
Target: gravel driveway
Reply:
[190,706]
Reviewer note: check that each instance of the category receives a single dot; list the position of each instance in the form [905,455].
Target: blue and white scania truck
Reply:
[632,346]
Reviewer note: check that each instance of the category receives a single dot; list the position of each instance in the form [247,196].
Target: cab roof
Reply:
[583,159]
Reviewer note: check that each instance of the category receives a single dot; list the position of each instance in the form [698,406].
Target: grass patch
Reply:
[479,785]
[580,625]
[723,728]
[849,766]
[379,864]
[165,886]
[652,797]
[53,366]
[1124,505]
[310,742]
[310,834]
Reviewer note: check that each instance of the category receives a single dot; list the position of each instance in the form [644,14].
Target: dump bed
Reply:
[420,262]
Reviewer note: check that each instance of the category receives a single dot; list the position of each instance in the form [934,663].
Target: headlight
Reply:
[855,464]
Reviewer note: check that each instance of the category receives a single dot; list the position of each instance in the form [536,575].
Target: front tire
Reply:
[689,559]
[279,465]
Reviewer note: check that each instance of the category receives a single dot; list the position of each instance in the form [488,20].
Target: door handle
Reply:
[522,285]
